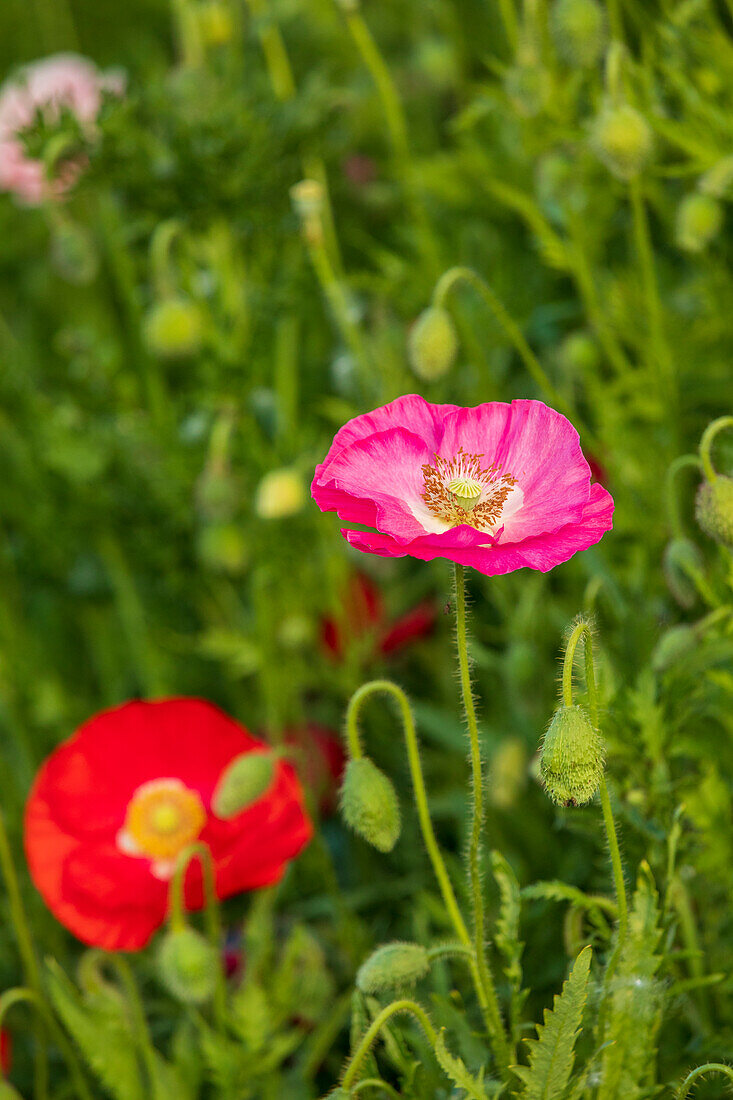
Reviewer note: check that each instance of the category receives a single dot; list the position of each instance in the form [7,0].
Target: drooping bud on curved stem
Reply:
[392,966]
[714,502]
[369,804]
[188,965]
[412,1008]
[571,758]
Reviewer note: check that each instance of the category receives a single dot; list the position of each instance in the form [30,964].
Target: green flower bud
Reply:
[699,220]
[187,964]
[714,509]
[622,139]
[173,328]
[675,644]
[432,344]
[571,757]
[392,966]
[369,804]
[280,494]
[681,557]
[579,31]
[243,782]
[223,547]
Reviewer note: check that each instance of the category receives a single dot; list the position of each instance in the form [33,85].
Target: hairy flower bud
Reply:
[279,494]
[243,782]
[714,509]
[369,804]
[188,964]
[579,31]
[674,644]
[699,220]
[432,344]
[622,139]
[173,328]
[681,558]
[392,966]
[571,757]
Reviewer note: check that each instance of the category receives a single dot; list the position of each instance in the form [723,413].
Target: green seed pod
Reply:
[714,509]
[187,964]
[369,804]
[699,220]
[571,757]
[675,644]
[681,557]
[579,31]
[174,328]
[245,781]
[280,494]
[432,344]
[622,139]
[392,966]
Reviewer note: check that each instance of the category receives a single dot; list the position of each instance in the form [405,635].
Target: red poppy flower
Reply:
[318,755]
[364,614]
[112,808]
[5,1051]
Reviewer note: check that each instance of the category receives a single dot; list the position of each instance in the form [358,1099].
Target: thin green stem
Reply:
[497,1033]
[511,23]
[709,1067]
[372,1033]
[137,1014]
[645,254]
[30,996]
[212,915]
[707,441]
[670,489]
[583,631]
[335,294]
[161,267]
[375,1083]
[511,329]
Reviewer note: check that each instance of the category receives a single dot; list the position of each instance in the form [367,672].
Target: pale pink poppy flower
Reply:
[497,487]
[63,81]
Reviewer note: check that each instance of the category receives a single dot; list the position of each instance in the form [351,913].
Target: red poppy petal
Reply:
[415,624]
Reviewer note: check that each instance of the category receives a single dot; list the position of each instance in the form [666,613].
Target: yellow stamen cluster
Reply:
[163,818]
[461,490]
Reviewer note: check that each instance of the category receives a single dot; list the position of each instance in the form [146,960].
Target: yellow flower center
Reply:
[163,818]
[454,488]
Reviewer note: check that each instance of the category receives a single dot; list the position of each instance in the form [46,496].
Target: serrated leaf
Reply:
[104,1040]
[455,1068]
[552,1053]
[561,891]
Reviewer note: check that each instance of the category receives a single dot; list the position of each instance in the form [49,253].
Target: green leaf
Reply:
[455,1068]
[552,1053]
[102,1035]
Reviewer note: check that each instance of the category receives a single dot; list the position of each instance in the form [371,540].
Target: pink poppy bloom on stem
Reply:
[61,82]
[497,487]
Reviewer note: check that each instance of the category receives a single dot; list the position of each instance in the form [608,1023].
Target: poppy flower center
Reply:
[163,818]
[464,490]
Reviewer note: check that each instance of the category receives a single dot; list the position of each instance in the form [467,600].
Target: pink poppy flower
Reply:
[497,487]
[63,81]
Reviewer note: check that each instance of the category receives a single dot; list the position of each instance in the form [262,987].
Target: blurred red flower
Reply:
[114,806]
[6,1051]
[364,615]
[319,758]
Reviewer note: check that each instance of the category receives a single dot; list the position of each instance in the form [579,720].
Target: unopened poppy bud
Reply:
[718,180]
[622,139]
[681,559]
[279,494]
[369,804]
[173,328]
[432,344]
[571,757]
[188,965]
[579,31]
[215,23]
[243,782]
[308,198]
[674,644]
[699,220]
[714,509]
[392,966]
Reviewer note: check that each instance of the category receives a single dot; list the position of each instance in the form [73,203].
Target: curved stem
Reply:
[418,783]
[673,505]
[30,996]
[211,910]
[510,328]
[707,441]
[161,243]
[375,1083]
[495,1024]
[371,1034]
[582,630]
[709,1067]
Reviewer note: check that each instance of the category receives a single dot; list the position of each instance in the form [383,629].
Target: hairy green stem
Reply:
[645,254]
[372,1033]
[706,444]
[202,852]
[497,1033]
[709,1067]
[670,491]
[375,1083]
